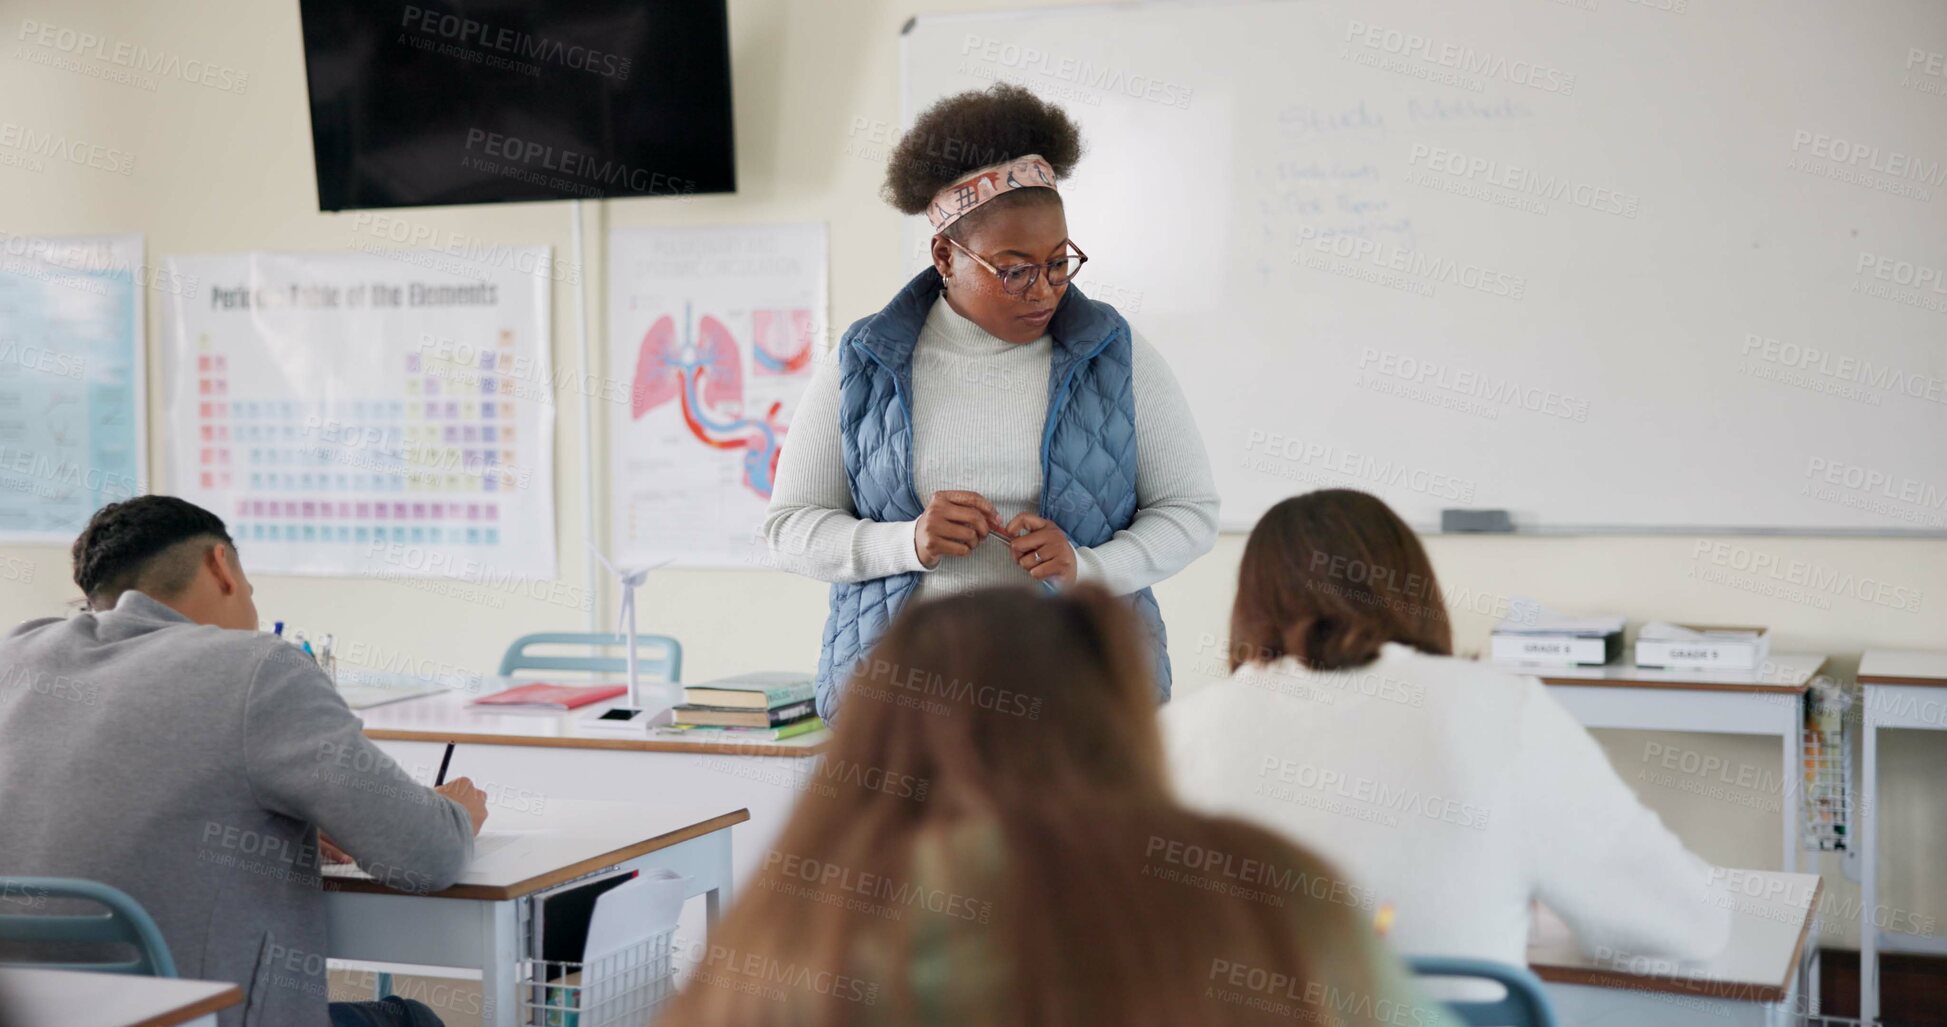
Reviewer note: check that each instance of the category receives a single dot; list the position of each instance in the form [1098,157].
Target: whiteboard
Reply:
[1607,265]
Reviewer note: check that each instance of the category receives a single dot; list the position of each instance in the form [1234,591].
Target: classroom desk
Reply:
[523,758]
[1755,980]
[75,999]
[1767,701]
[520,758]
[449,717]
[477,922]
[1906,689]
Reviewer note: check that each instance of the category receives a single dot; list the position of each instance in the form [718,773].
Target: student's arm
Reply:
[1176,498]
[1602,860]
[308,759]
[811,526]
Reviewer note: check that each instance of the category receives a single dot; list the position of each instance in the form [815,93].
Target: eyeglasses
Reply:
[1017,279]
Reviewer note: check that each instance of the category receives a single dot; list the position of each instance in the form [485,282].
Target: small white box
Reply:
[1702,647]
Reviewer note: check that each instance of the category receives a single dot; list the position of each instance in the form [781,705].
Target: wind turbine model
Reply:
[632,714]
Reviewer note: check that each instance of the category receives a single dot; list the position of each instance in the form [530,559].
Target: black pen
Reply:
[444,762]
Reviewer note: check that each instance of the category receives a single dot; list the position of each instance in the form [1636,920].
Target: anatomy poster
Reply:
[715,330]
[367,413]
[71,381]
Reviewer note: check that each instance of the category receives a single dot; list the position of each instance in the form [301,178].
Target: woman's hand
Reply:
[953,524]
[1044,551]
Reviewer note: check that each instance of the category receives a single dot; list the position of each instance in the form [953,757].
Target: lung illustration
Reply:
[656,377]
[706,373]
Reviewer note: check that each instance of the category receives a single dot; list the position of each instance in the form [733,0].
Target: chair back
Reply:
[1524,1005]
[658,657]
[122,921]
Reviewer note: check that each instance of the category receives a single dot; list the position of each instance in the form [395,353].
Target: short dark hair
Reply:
[972,130]
[1329,577]
[124,544]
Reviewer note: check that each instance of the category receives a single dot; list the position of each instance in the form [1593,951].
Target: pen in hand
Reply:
[462,791]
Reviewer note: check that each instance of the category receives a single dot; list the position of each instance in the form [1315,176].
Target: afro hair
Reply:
[974,129]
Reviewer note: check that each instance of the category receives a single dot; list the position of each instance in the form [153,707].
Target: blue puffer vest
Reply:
[1088,455]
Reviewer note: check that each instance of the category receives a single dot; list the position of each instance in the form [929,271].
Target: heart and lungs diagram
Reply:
[714,332]
[698,365]
[780,341]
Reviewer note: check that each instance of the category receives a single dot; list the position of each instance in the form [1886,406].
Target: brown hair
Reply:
[1329,577]
[999,754]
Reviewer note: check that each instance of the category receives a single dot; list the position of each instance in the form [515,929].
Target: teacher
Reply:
[992,425]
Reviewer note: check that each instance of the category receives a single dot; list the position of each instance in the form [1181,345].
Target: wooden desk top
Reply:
[1903,667]
[1790,673]
[562,839]
[76,999]
[448,717]
[1771,918]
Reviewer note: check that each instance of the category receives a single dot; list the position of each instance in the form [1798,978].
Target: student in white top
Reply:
[1453,791]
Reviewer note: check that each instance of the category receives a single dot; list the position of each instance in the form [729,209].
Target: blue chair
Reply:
[1524,1005]
[123,922]
[658,657]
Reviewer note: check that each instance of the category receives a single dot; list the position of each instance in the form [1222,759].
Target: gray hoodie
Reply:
[192,767]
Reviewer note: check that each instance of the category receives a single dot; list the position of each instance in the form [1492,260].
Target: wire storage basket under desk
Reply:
[1830,710]
[623,989]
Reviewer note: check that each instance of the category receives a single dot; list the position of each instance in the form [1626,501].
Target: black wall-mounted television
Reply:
[484,101]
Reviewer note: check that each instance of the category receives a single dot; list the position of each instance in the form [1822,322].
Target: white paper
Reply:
[72,387]
[484,844]
[713,333]
[1664,631]
[365,413]
[629,913]
[616,961]
[1528,617]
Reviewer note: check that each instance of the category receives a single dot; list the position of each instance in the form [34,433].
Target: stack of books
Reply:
[765,706]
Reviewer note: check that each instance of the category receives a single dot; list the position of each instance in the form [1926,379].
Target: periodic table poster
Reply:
[362,413]
[71,381]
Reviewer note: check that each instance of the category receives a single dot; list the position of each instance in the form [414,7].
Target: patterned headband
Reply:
[959,199]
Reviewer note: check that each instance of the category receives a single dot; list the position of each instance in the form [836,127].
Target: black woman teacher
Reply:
[992,425]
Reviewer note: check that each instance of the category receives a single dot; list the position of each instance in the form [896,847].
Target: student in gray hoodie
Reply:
[159,743]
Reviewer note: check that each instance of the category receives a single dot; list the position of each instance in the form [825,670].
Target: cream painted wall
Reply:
[817,91]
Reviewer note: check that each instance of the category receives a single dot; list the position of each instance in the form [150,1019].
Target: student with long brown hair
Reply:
[1455,791]
[991,840]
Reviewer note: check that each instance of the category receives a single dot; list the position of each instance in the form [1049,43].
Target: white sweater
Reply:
[979,404]
[1452,790]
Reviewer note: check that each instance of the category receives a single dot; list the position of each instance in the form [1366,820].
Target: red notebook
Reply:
[544,696]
